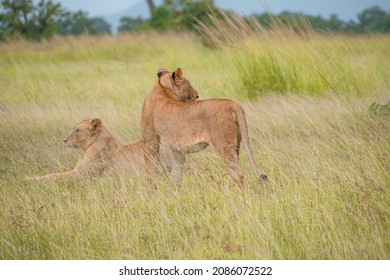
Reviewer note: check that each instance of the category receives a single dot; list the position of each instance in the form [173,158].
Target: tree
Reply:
[151,6]
[128,24]
[32,22]
[97,26]
[181,14]
[161,18]
[193,11]
[78,23]
[374,19]
[334,23]
[265,19]
[351,27]
[73,23]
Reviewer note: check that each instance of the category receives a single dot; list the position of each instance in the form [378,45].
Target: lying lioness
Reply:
[103,154]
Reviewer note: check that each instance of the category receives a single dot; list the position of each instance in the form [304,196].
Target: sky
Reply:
[346,9]
[97,7]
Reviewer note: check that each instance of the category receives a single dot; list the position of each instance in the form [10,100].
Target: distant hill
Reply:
[139,9]
[346,9]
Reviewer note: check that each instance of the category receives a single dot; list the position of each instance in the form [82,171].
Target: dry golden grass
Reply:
[327,159]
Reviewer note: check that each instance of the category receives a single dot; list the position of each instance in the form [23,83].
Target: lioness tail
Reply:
[242,125]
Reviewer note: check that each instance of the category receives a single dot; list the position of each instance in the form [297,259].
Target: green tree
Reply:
[265,19]
[97,26]
[193,11]
[162,18]
[128,24]
[334,23]
[151,5]
[32,22]
[298,21]
[374,19]
[78,23]
[181,14]
[73,23]
[351,27]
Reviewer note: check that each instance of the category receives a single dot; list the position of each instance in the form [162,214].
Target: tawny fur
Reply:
[192,126]
[103,154]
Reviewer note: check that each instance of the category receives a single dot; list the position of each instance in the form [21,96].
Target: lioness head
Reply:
[83,134]
[176,82]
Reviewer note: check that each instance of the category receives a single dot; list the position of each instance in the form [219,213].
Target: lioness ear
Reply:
[161,72]
[95,124]
[178,74]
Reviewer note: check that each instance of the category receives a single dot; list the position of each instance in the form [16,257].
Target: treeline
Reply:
[44,19]
[182,14]
[171,15]
[370,20]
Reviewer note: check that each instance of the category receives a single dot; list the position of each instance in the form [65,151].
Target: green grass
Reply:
[283,60]
[326,156]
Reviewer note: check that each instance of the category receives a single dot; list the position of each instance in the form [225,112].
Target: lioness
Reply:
[192,126]
[102,153]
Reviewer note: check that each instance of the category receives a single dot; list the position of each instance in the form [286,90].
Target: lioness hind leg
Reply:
[230,158]
[235,170]
[226,140]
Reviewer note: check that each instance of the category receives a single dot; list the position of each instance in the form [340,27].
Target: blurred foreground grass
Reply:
[326,156]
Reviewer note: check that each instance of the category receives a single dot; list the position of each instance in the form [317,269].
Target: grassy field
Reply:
[306,100]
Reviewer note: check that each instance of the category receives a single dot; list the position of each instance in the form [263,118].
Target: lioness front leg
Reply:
[54,176]
[87,164]
[151,153]
[178,159]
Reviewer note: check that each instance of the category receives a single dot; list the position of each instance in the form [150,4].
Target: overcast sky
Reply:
[345,8]
[97,7]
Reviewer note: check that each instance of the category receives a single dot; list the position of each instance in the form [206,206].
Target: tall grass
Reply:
[327,158]
[295,59]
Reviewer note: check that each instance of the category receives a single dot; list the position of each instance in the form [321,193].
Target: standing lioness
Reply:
[192,126]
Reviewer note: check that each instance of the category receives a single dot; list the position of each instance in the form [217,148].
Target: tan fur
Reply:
[192,126]
[102,153]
